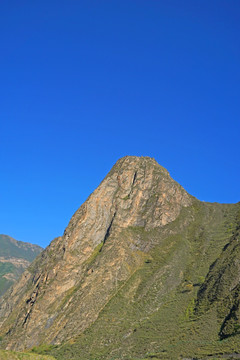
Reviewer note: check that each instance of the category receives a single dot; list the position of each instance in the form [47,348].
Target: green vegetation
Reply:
[8,272]
[11,251]
[12,355]
[160,311]
[152,315]
[6,268]
[4,285]
[94,254]
[9,247]
[43,349]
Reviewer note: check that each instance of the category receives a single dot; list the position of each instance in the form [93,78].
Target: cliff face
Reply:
[129,263]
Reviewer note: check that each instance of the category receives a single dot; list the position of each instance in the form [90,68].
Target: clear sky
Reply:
[84,83]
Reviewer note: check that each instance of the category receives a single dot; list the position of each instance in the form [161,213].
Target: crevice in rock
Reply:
[32,300]
[134,178]
[108,231]
[133,182]
[26,318]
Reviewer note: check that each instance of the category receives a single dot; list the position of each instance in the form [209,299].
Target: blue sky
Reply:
[84,83]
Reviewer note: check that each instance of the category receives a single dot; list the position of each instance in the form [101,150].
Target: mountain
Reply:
[130,277]
[15,257]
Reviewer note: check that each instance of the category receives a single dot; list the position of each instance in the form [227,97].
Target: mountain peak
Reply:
[137,193]
[138,161]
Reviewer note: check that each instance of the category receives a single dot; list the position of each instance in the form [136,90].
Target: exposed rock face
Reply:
[62,292]
[137,192]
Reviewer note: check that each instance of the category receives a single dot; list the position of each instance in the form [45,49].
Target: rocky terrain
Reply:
[15,257]
[135,275]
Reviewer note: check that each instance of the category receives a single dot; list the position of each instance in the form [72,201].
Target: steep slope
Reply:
[221,288]
[122,280]
[15,257]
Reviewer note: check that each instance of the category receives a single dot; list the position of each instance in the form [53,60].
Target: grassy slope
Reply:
[12,355]
[221,289]
[152,314]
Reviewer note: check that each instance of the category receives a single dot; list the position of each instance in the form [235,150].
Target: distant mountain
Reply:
[15,257]
[143,271]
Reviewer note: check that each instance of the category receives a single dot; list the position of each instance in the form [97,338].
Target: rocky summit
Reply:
[133,276]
